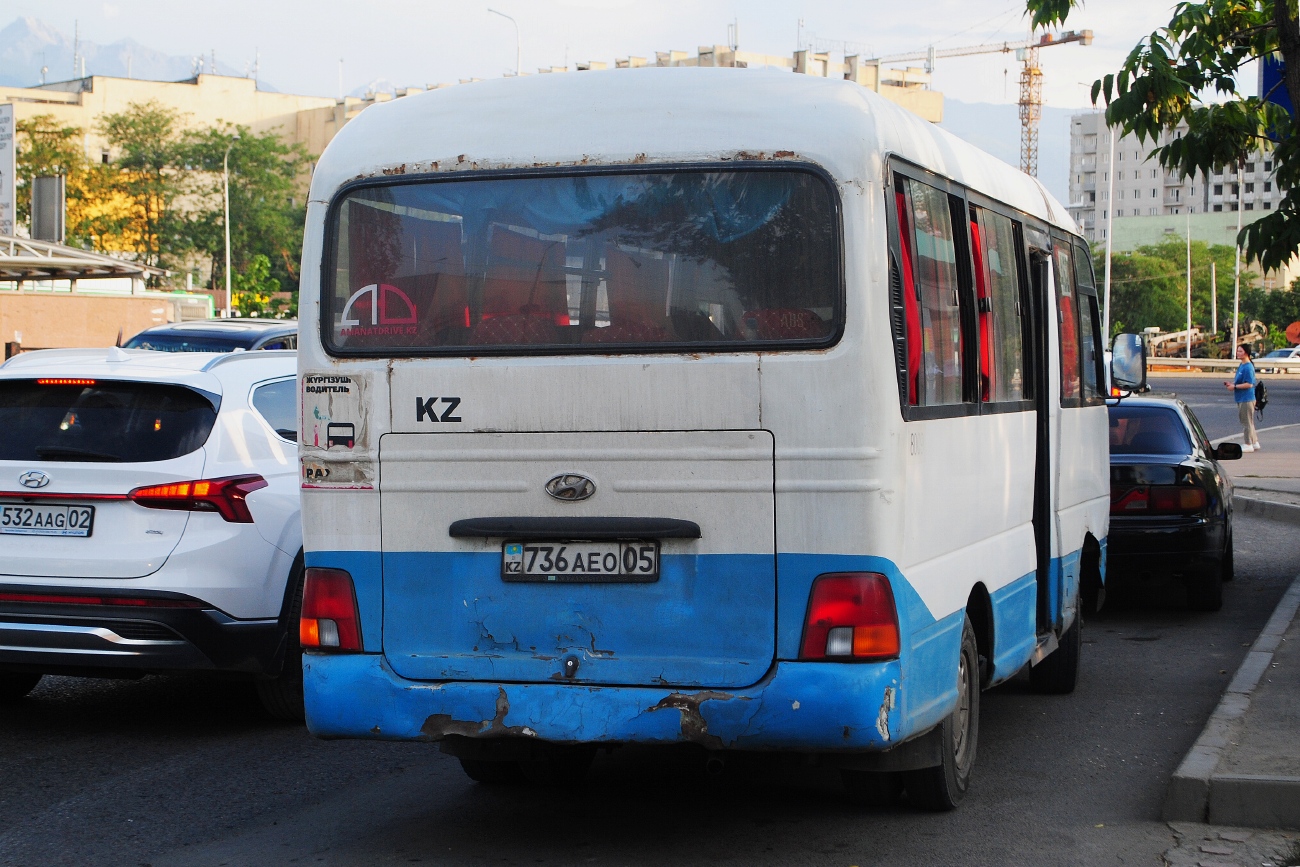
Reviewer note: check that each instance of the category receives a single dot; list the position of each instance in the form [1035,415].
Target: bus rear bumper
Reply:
[798,706]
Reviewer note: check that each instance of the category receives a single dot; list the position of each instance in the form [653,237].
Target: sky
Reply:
[416,42]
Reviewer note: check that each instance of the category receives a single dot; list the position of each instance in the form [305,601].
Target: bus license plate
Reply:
[17,519]
[580,561]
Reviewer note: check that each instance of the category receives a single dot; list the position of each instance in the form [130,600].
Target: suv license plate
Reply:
[580,562]
[17,519]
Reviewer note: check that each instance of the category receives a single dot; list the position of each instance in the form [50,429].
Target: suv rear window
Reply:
[686,260]
[117,422]
[1147,430]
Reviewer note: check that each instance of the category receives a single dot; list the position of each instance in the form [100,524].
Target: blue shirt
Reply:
[1245,373]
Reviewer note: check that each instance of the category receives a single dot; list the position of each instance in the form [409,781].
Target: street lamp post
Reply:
[516,23]
[225,189]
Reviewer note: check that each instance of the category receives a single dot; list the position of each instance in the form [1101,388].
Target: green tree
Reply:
[45,148]
[150,172]
[255,287]
[1185,73]
[266,211]
[1149,286]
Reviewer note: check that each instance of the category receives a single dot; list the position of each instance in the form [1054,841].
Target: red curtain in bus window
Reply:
[984,306]
[1069,319]
[911,313]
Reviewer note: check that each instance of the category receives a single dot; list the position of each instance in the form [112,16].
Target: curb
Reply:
[1267,509]
[1196,792]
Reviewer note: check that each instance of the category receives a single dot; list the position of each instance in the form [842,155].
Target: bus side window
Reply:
[997,285]
[1067,307]
[1090,337]
[931,294]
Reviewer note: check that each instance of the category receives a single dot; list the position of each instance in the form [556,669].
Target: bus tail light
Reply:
[226,496]
[851,615]
[330,620]
[1157,500]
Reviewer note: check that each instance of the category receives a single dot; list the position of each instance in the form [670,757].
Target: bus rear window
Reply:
[689,260]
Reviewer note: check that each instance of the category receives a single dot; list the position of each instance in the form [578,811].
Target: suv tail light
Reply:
[330,620]
[1157,500]
[851,615]
[226,496]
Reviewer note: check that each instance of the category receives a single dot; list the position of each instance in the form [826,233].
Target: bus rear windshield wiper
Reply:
[56,452]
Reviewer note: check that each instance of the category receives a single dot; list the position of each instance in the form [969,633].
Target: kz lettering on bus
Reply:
[425,409]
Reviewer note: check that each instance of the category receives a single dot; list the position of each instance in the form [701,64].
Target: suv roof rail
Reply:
[245,353]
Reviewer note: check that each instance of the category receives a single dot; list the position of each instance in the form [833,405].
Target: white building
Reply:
[1144,189]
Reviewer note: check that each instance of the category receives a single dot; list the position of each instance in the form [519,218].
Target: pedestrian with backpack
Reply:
[1243,392]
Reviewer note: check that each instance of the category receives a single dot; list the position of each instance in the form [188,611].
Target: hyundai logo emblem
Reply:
[33,479]
[570,487]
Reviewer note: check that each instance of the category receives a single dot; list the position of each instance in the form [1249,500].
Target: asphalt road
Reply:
[1213,403]
[172,771]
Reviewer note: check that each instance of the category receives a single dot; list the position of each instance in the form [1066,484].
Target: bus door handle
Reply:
[594,529]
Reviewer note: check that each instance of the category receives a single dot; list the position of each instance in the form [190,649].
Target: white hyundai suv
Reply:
[149,518]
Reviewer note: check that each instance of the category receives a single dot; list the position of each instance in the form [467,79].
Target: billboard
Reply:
[8,198]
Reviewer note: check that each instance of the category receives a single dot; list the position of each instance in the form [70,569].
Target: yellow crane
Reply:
[1031,79]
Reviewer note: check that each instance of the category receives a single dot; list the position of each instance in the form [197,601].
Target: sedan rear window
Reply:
[115,422]
[689,260]
[1147,430]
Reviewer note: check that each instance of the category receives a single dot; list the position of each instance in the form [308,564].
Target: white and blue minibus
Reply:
[727,407]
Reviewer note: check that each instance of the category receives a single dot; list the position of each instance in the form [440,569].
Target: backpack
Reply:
[1261,397]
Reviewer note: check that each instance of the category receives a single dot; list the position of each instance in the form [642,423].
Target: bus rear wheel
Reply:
[943,786]
[1059,672]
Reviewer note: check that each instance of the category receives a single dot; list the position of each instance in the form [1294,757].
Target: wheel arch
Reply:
[979,608]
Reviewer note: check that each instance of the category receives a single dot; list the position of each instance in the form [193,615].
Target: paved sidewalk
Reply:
[1244,769]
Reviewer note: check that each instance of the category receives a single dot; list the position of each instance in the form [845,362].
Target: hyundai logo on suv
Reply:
[570,487]
[33,479]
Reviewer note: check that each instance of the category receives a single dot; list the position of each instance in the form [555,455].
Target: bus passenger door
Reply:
[1044,391]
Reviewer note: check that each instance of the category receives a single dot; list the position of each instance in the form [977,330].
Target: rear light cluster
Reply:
[851,616]
[227,496]
[330,620]
[1157,500]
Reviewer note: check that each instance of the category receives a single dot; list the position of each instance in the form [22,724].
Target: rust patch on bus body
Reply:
[440,725]
[694,727]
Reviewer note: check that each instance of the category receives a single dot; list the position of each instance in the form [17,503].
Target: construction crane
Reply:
[1031,79]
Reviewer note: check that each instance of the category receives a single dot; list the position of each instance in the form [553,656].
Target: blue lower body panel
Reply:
[798,706]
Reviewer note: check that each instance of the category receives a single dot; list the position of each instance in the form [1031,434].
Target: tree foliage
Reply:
[1185,73]
[161,200]
[266,217]
[1149,285]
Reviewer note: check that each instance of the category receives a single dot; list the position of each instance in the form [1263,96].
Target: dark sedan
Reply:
[1170,501]
[218,335]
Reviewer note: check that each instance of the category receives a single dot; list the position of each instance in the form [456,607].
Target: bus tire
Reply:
[14,685]
[491,773]
[942,787]
[1059,672]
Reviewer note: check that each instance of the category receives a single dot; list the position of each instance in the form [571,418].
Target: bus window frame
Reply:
[961,199]
[1094,314]
[330,247]
[1074,245]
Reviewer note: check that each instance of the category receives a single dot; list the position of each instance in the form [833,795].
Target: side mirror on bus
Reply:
[1128,363]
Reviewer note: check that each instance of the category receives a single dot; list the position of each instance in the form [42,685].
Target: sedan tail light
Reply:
[1157,500]
[330,620]
[227,496]
[851,615]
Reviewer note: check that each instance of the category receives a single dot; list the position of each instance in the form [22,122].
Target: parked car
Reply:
[1170,500]
[218,335]
[1291,352]
[149,518]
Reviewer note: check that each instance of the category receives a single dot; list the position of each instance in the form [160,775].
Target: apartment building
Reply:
[1144,189]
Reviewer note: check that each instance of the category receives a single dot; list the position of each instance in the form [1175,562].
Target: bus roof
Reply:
[661,115]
